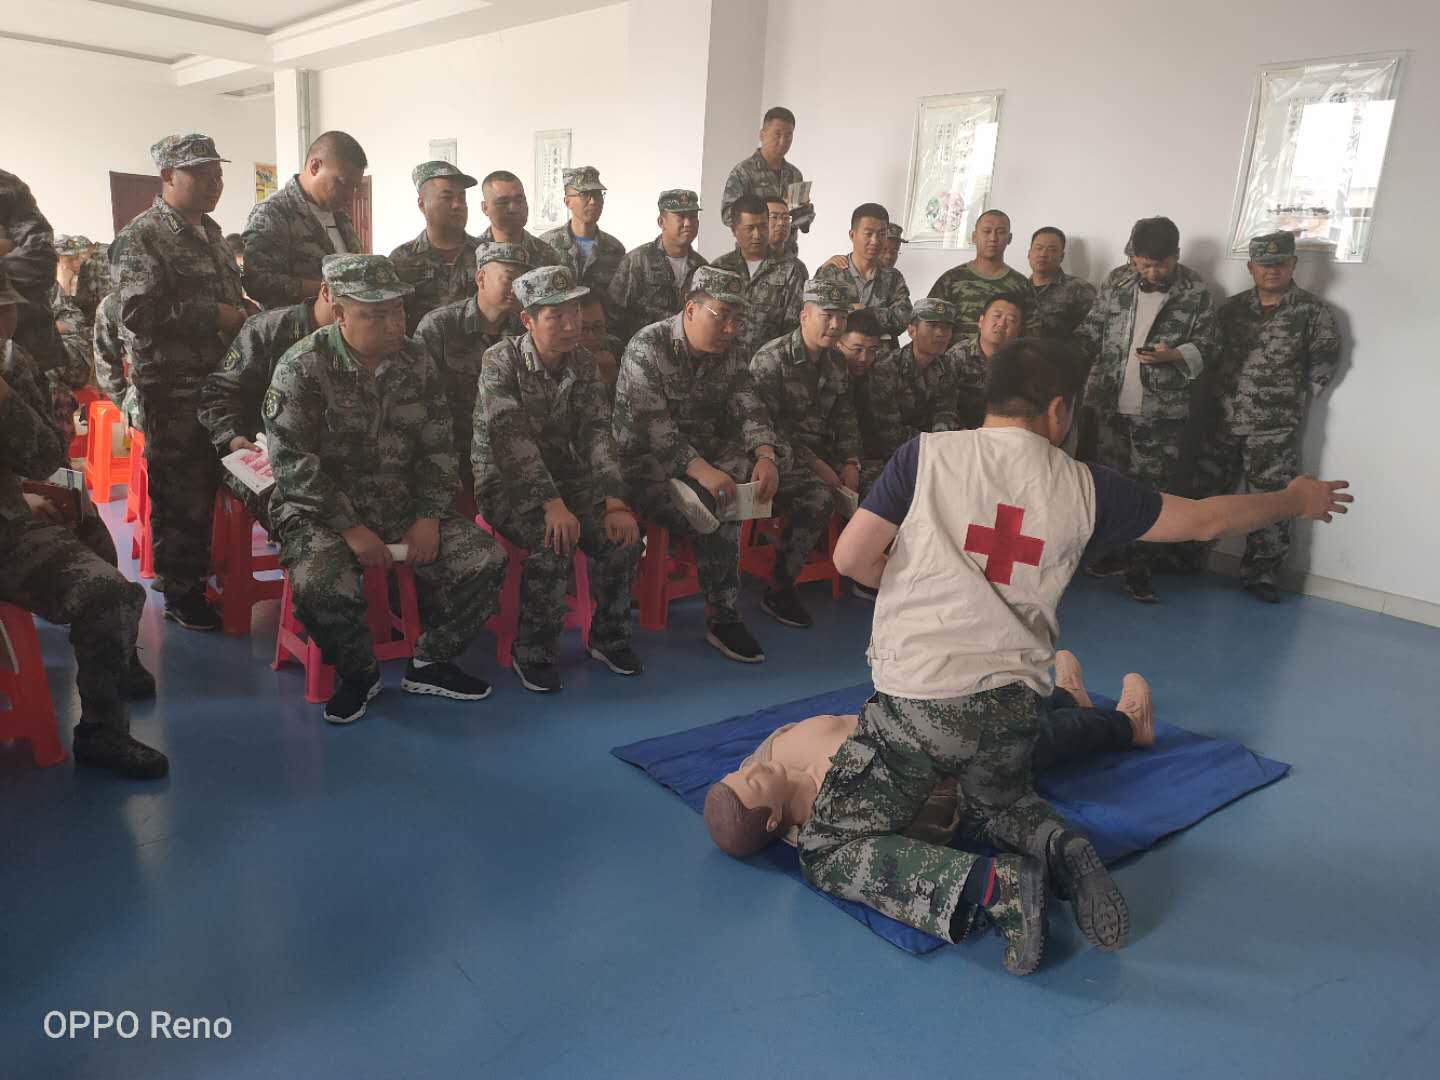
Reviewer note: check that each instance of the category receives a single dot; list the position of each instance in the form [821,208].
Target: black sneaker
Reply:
[192,611]
[350,699]
[104,747]
[732,639]
[1106,566]
[537,676]
[784,606]
[621,659]
[1264,591]
[1137,584]
[137,683]
[445,680]
[863,592]
[1079,875]
[696,505]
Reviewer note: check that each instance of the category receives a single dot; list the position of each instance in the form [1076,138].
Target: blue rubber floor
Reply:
[451,890]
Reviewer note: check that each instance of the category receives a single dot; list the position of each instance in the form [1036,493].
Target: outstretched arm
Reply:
[1235,515]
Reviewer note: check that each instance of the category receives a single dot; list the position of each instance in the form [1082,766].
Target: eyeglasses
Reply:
[860,350]
[732,320]
[586,196]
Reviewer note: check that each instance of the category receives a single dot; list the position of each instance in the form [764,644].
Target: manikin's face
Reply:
[931,338]
[779,218]
[710,324]
[442,201]
[1272,279]
[196,190]
[860,351]
[992,236]
[555,327]
[820,328]
[679,229]
[586,206]
[1046,254]
[1000,325]
[506,206]
[776,137]
[1155,271]
[762,783]
[372,330]
[868,237]
[493,285]
[332,184]
[752,235]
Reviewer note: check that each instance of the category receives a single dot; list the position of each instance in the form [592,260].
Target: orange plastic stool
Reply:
[31,715]
[394,636]
[505,625]
[80,444]
[235,562]
[137,468]
[667,573]
[103,470]
[141,547]
[758,560]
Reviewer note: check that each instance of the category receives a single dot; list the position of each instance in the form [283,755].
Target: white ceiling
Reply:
[262,16]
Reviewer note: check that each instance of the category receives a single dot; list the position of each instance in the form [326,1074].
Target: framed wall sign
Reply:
[952,160]
[547,198]
[445,150]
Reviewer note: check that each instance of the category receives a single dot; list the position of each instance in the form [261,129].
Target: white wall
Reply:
[1108,117]
[72,117]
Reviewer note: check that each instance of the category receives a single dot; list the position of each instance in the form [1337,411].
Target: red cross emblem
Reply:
[1004,544]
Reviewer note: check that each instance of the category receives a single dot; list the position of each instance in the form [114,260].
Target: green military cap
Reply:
[71,245]
[8,295]
[583,178]
[718,284]
[183,151]
[931,309]
[498,252]
[895,232]
[367,278]
[433,170]
[679,201]
[548,286]
[831,294]
[1272,249]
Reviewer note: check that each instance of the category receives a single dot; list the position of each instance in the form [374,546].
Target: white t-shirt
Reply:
[678,266]
[753,266]
[327,218]
[1132,391]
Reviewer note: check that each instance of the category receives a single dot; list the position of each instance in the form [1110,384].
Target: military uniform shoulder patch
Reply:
[232,359]
[274,404]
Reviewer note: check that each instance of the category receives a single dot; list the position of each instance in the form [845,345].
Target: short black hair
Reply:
[1027,374]
[988,213]
[1155,238]
[499,176]
[864,321]
[748,204]
[779,112]
[1005,298]
[870,210]
[235,240]
[341,144]
[1050,230]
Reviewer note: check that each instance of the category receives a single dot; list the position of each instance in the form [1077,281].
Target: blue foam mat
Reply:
[1125,802]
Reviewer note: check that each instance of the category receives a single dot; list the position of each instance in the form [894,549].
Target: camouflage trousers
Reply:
[458,592]
[547,576]
[47,569]
[1144,449]
[1266,462]
[257,506]
[879,780]
[184,476]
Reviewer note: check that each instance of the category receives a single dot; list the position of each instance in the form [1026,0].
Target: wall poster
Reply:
[547,196]
[952,160]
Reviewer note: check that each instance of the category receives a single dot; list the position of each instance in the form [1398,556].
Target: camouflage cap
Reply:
[930,309]
[831,294]
[71,245]
[498,252]
[431,170]
[547,286]
[679,201]
[895,232]
[718,284]
[367,278]
[183,151]
[1272,249]
[583,178]
[8,295]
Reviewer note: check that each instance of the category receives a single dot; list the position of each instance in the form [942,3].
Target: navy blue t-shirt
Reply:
[1124,510]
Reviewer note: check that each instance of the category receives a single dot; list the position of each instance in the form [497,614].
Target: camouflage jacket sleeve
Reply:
[241,377]
[594,440]
[110,352]
[77,339]
[735,187]
[1091,331]
[756,428]
[512,440]
[148,308]
[31,263]
[643,412]
[437,467]
[1322,346]
[767,383]
[294,413]
[1204,337]
[895,311]
[622,289]
[888,420]
[266,274]
[794,295]
[845,424]
[30,442]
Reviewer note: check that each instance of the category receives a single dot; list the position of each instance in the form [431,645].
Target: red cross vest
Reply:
[994,533]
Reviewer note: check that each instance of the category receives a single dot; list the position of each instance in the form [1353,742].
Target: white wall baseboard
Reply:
[1342,592]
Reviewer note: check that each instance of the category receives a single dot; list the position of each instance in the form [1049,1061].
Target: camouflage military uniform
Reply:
[284,246]
[753,176]
[170,281]
[30,268]
[905,399]
[599,269]
[969,292]
[541,436]
[886,294]
[1059,307]
[48,570]
[772,298]
[77,340]
[433,281]
[671,406]
[231,397]
[111,360]
[1268,362]
[643,290]
[541,254]
[92,284]
[350,447]
[972,371]
[853,844]
[867,412]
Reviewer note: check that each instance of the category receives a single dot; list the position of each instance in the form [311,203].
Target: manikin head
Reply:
[751,807]
[860,344]
[1033,382]
[1154,249]
[1047,251]
[334,166]
[869,228]
[750,225]
[778,215]
[1000,321]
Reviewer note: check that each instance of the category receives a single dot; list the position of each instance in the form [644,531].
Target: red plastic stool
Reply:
[80,444]
[394,637]
[758,560]
[234,562]
[667,573]
[137,468]
[31,715]
[506,624]
[141,545]
[103,470]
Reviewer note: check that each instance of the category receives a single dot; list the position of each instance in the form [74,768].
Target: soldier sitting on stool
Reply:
[547,476]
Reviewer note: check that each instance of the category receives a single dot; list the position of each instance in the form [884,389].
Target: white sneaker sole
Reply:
[693,510]
[528,685]
[717,643]
[596,654]
[412,687]
[768,610]
[369,697]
